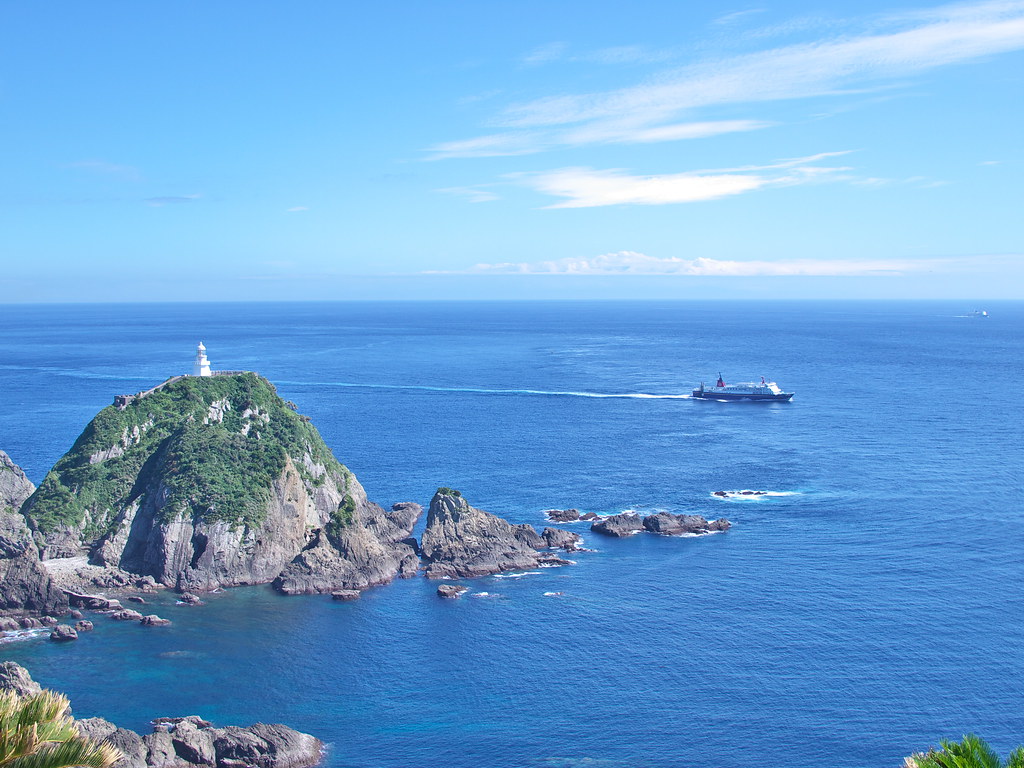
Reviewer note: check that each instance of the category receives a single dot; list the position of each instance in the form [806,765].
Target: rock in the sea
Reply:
[48,621]
[562,515]
[62,633]
[189,599]
[668,524]
[622,525]
[559,539]
[136,599]
[346,595]
[590,516]
[551,560]
[126,616]
[451,590]
[8,624]
[83,626]
[461,541]
[29,622]
[528,535]
[154,621]
[76,614]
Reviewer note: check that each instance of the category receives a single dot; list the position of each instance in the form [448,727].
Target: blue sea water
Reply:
[873,607]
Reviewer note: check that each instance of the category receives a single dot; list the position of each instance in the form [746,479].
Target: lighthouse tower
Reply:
[201,367]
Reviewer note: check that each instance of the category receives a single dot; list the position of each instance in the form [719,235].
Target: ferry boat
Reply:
[766,390]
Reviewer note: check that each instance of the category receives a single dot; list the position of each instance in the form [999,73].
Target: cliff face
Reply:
[211,482]
[25,586]
[461,541]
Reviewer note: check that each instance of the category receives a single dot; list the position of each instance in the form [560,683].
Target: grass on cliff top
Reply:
[211,470]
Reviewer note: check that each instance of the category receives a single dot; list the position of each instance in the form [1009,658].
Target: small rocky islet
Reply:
[205,482]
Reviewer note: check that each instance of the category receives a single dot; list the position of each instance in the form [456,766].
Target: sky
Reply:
[326,150]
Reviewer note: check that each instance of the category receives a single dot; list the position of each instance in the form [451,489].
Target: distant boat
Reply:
[766,390]
[978,313]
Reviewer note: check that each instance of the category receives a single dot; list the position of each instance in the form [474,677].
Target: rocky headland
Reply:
[182,742]
[208,482]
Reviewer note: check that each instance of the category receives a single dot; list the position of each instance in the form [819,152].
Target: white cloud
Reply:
[633,263]
[590,188]
[545,54]
[297,209]
[891,49]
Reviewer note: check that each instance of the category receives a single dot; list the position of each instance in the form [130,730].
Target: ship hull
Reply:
[782,397]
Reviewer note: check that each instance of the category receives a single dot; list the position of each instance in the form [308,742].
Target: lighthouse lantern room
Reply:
[201,367]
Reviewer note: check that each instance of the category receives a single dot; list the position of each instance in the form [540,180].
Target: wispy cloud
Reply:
[890,49]
[296,209]
[478,194]
[590,188]
[104,168]
[634,263]
[544,54]
[158,202]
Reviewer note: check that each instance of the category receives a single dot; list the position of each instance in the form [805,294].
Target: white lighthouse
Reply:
[201,367]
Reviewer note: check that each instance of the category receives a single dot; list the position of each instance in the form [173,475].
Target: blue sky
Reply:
[334,150]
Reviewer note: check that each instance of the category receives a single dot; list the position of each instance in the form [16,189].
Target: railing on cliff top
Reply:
[122,401]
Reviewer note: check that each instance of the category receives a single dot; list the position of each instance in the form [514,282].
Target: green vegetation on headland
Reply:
[214,445]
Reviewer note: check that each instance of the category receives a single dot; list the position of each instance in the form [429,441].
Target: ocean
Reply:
[871,605]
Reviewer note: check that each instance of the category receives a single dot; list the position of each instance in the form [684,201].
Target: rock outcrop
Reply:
[668,524]
[619,526]
[461,541]
[203,483]
[182,742]
[556,538]
[662,523]
[25,585]
[373,550]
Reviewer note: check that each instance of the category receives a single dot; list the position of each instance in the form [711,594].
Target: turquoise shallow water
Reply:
[875,609]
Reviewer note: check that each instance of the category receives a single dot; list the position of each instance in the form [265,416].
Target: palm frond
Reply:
[1016,758]
[66,754]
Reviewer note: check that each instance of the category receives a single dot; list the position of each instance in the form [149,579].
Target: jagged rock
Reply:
[622,525]
[31,623]
[83,626]
[25,584]
[372,549]
[668,524]
[126,616]
[590,516]
[76,614]
[63,633]
[187,598]
[528,535]
[14,677]
[562,515]
[559,539]
[451,590]
[8,624]
[48,621]
[265,746]
[154,621]
[193,742]
[346,595]
[461,541]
